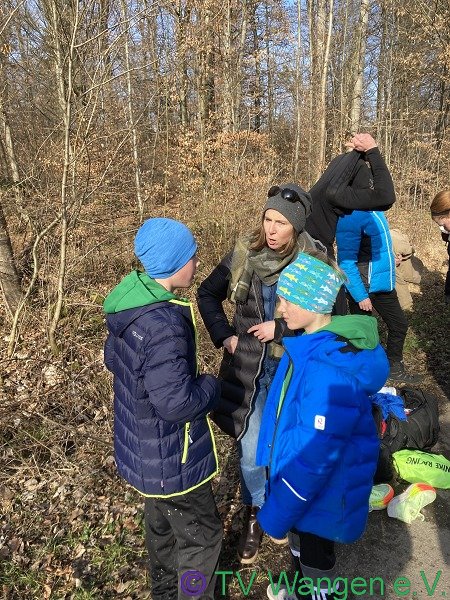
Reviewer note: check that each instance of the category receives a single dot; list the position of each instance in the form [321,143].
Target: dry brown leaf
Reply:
[122,586]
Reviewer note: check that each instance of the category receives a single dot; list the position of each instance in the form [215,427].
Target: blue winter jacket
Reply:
[318,437]
[163,441]
[364,237]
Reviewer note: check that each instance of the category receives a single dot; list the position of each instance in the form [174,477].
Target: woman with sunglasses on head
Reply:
[440,213]
[247,276]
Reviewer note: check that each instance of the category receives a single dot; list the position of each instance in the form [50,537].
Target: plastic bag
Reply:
[416,466]
[407,506]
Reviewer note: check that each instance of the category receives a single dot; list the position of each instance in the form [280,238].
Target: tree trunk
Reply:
[183,17]
[270,90]
[358,67]
[298,88]
[321,100]
[443,112]
[228,104]
[257,84]
[9,277]
[131,119]
[63,67]
[206,66]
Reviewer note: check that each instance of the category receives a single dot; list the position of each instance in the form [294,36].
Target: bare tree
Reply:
[131,118]
[9,277]
[320,15]
[357,66]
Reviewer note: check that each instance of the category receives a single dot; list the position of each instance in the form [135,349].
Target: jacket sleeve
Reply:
[210,297]
[176,395]
[348,240]
[325,424]
[380,197]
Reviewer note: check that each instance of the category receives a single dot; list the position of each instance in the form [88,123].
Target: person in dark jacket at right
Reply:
[440,213]
[356,180]
[349,183]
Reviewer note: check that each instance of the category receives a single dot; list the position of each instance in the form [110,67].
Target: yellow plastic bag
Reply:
[416,466]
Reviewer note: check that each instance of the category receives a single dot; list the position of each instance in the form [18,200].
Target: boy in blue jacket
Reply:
[366,256]
[163,441]
[318,438]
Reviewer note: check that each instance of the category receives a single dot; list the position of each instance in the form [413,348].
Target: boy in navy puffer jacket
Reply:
[318,438]
[163,441]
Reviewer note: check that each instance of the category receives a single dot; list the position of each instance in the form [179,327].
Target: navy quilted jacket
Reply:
[163,440]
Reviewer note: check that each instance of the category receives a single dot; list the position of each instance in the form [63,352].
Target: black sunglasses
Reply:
[286,193]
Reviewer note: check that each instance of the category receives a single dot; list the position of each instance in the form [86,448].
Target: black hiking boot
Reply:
[398,374]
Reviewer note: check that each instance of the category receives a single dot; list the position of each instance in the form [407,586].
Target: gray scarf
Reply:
[266,263]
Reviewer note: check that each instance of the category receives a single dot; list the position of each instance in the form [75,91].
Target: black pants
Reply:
[388,307]
[183,533]
[316,554]
[340,304]
[447,278]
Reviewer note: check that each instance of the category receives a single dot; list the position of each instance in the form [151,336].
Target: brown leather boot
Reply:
[248,545]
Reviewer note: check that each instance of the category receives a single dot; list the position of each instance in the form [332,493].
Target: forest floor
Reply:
[71,529]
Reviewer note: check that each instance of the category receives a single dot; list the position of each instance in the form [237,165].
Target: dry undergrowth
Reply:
[69,527]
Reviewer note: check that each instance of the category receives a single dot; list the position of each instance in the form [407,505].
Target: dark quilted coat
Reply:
[162,438]
[445,237]
[238,372]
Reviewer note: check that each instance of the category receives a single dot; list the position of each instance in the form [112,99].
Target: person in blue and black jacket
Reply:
[366,256]
[164,445]
[355,180]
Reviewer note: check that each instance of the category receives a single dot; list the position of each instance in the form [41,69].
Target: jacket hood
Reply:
[359,330]
[366,361]
[135,290]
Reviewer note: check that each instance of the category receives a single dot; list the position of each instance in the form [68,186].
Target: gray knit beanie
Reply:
[292,202]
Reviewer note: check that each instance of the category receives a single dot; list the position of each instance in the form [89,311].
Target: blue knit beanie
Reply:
[164,246]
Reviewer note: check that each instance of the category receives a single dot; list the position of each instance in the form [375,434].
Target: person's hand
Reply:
[230,343]
[365,305]
[264,331]
[349,145]
[398,260]
[363,142]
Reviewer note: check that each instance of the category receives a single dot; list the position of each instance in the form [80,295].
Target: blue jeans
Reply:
[253,478]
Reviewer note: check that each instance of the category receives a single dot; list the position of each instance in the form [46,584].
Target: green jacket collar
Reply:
[135,290]
[360,330]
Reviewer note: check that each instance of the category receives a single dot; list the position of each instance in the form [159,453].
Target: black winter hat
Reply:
[292,202]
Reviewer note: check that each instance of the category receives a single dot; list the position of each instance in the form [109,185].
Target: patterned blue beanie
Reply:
[164,246]
[310,283]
